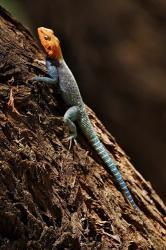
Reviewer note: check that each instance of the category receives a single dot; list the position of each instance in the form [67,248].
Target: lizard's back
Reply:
[68,86]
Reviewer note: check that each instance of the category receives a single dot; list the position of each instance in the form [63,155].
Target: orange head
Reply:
[50,43]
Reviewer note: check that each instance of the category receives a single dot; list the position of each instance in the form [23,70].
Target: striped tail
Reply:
[88,130]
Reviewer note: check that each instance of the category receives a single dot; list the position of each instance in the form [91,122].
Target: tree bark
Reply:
[50,197]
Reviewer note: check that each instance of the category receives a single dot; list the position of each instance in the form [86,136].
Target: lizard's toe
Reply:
[71,139]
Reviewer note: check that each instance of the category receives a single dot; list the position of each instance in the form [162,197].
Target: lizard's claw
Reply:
[71,139]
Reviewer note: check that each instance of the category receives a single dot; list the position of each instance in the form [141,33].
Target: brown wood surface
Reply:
[50,197]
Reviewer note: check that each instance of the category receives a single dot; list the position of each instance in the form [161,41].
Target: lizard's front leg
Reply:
[71,115]
[44,79]
[52,72]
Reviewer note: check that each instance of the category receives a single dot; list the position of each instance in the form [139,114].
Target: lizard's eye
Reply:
[46,37]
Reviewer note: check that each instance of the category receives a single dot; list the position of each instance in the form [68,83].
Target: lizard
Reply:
[59,73]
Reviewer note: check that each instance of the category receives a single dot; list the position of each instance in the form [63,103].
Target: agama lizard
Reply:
[59,73]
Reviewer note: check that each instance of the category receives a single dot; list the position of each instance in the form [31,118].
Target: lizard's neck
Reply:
[63,65]
[57,53]
[61,61]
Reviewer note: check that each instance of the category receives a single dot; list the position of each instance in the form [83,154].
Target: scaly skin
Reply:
[59,73]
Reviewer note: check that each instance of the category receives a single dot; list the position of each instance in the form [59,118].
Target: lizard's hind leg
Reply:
[71,115]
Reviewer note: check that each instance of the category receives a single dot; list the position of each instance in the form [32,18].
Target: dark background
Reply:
[117,52]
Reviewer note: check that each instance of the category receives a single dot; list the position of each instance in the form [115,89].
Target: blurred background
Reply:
[117,52]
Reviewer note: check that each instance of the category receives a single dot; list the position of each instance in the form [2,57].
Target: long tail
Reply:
[88,130]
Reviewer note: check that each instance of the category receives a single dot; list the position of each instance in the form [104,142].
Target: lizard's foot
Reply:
[36,78]
[70,139]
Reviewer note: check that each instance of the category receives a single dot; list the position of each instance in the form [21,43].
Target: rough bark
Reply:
[50,197]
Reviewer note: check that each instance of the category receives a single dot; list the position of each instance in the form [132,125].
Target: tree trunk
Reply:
[50,197]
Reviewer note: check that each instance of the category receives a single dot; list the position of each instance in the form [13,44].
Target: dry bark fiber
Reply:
[50,197]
